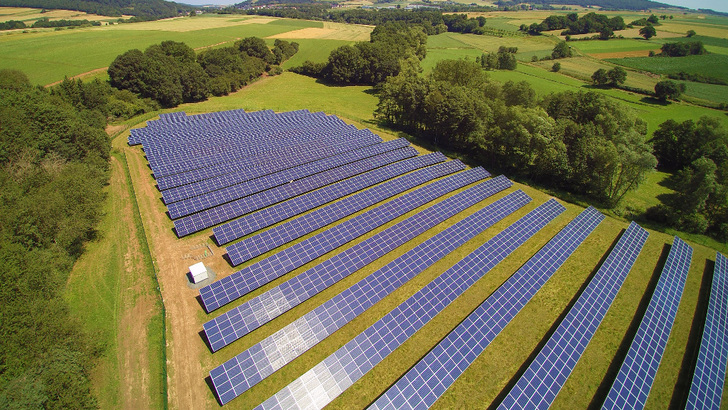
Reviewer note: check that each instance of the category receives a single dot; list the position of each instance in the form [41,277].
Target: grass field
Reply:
[713,65]
[29,16]
[48,56]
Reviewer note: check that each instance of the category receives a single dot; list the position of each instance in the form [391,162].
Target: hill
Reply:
[605,4]
[144,9]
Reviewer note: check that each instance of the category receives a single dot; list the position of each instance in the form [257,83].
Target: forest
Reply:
[171,73]
[54,160]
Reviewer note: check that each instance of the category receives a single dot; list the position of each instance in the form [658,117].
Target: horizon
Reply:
[715,5]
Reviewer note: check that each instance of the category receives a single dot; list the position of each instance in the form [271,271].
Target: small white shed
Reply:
[198,272]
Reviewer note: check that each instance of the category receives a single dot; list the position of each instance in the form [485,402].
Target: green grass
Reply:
[46,57]
[614,45]
[709,92]
[314,50]
[712,65]
[106,283]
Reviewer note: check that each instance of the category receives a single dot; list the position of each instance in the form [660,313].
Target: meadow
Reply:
[98,288]
[712,65]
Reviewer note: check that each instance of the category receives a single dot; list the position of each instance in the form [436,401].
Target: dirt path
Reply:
[82,75]
[186,350]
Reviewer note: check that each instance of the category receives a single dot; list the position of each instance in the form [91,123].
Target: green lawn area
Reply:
[312,49]
[712,65]
[48,56]
[614,45]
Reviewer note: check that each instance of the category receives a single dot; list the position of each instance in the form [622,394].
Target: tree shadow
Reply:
[603,390]
[655,101]
[685,376]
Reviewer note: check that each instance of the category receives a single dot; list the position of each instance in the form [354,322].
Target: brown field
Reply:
[184,24]
[330,31]
[622,54]
[31,15]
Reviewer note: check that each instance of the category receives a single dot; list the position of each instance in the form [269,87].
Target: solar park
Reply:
[320,223]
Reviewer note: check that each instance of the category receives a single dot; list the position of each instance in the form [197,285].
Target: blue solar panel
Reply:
[265,241]
[251,277]
[270,162]
[336,373]
[546,375]
[331,164]
[230,174]
[635,377]
[236,323]
[213,216]
[707,386]
[424,383]
[253,365]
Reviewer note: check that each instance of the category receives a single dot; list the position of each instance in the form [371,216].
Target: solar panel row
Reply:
[272,161]
[241,172]
[254,313]
[361,224]
[175,166]
[706,389]
[294,229]
[258,362]
[234,209]
[424,383]
[221,196]
[328,379]
[260,273]
[635,377]
[544,378]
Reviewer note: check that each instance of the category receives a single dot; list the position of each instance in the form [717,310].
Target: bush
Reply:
[556,67]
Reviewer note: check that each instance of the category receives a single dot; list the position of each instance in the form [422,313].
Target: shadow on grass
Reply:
[655,101]
[512,382]
[208,381]
[685,377]
[603,390]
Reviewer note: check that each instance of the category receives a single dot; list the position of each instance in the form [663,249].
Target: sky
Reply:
[717,5]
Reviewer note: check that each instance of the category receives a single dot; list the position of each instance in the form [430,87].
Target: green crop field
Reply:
[614,46]
[48,56]
[711,65]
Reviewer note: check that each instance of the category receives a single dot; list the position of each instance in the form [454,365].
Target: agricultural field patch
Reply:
[316,50]
[29,15]
[615,46]
[713,65]
[48,56]
[204,22]
[582,68]
[700,27]
[330,31]
[708,92]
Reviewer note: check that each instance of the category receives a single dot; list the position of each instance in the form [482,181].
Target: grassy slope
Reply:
[113,291]
[716,65]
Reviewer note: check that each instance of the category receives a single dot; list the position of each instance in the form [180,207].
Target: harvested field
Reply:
[330,31]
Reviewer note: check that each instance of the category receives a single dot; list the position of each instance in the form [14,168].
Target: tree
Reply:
[600,77]
[556,67]
[256,47]
[648,31]
[561,50]
[617,76]
[690,33]
[606,33]
[669,90]
[653,19]
[519,93]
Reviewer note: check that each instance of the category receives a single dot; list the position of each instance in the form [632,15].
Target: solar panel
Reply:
[336,373]
[424,383]
[330,164]
[635,377]
[258,362]
[236,323]
[706,389]
[546,375]
[265,241]
[213,216]
[251,277]
[234,173]
[269,162]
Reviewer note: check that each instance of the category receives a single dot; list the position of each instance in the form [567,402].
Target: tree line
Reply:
[579,142]
[697,152]
[147,9]
[573,24]
[171,73]
[54,157]
[392,47]
[46,22]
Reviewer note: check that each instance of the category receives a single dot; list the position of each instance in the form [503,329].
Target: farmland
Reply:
[119,275]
